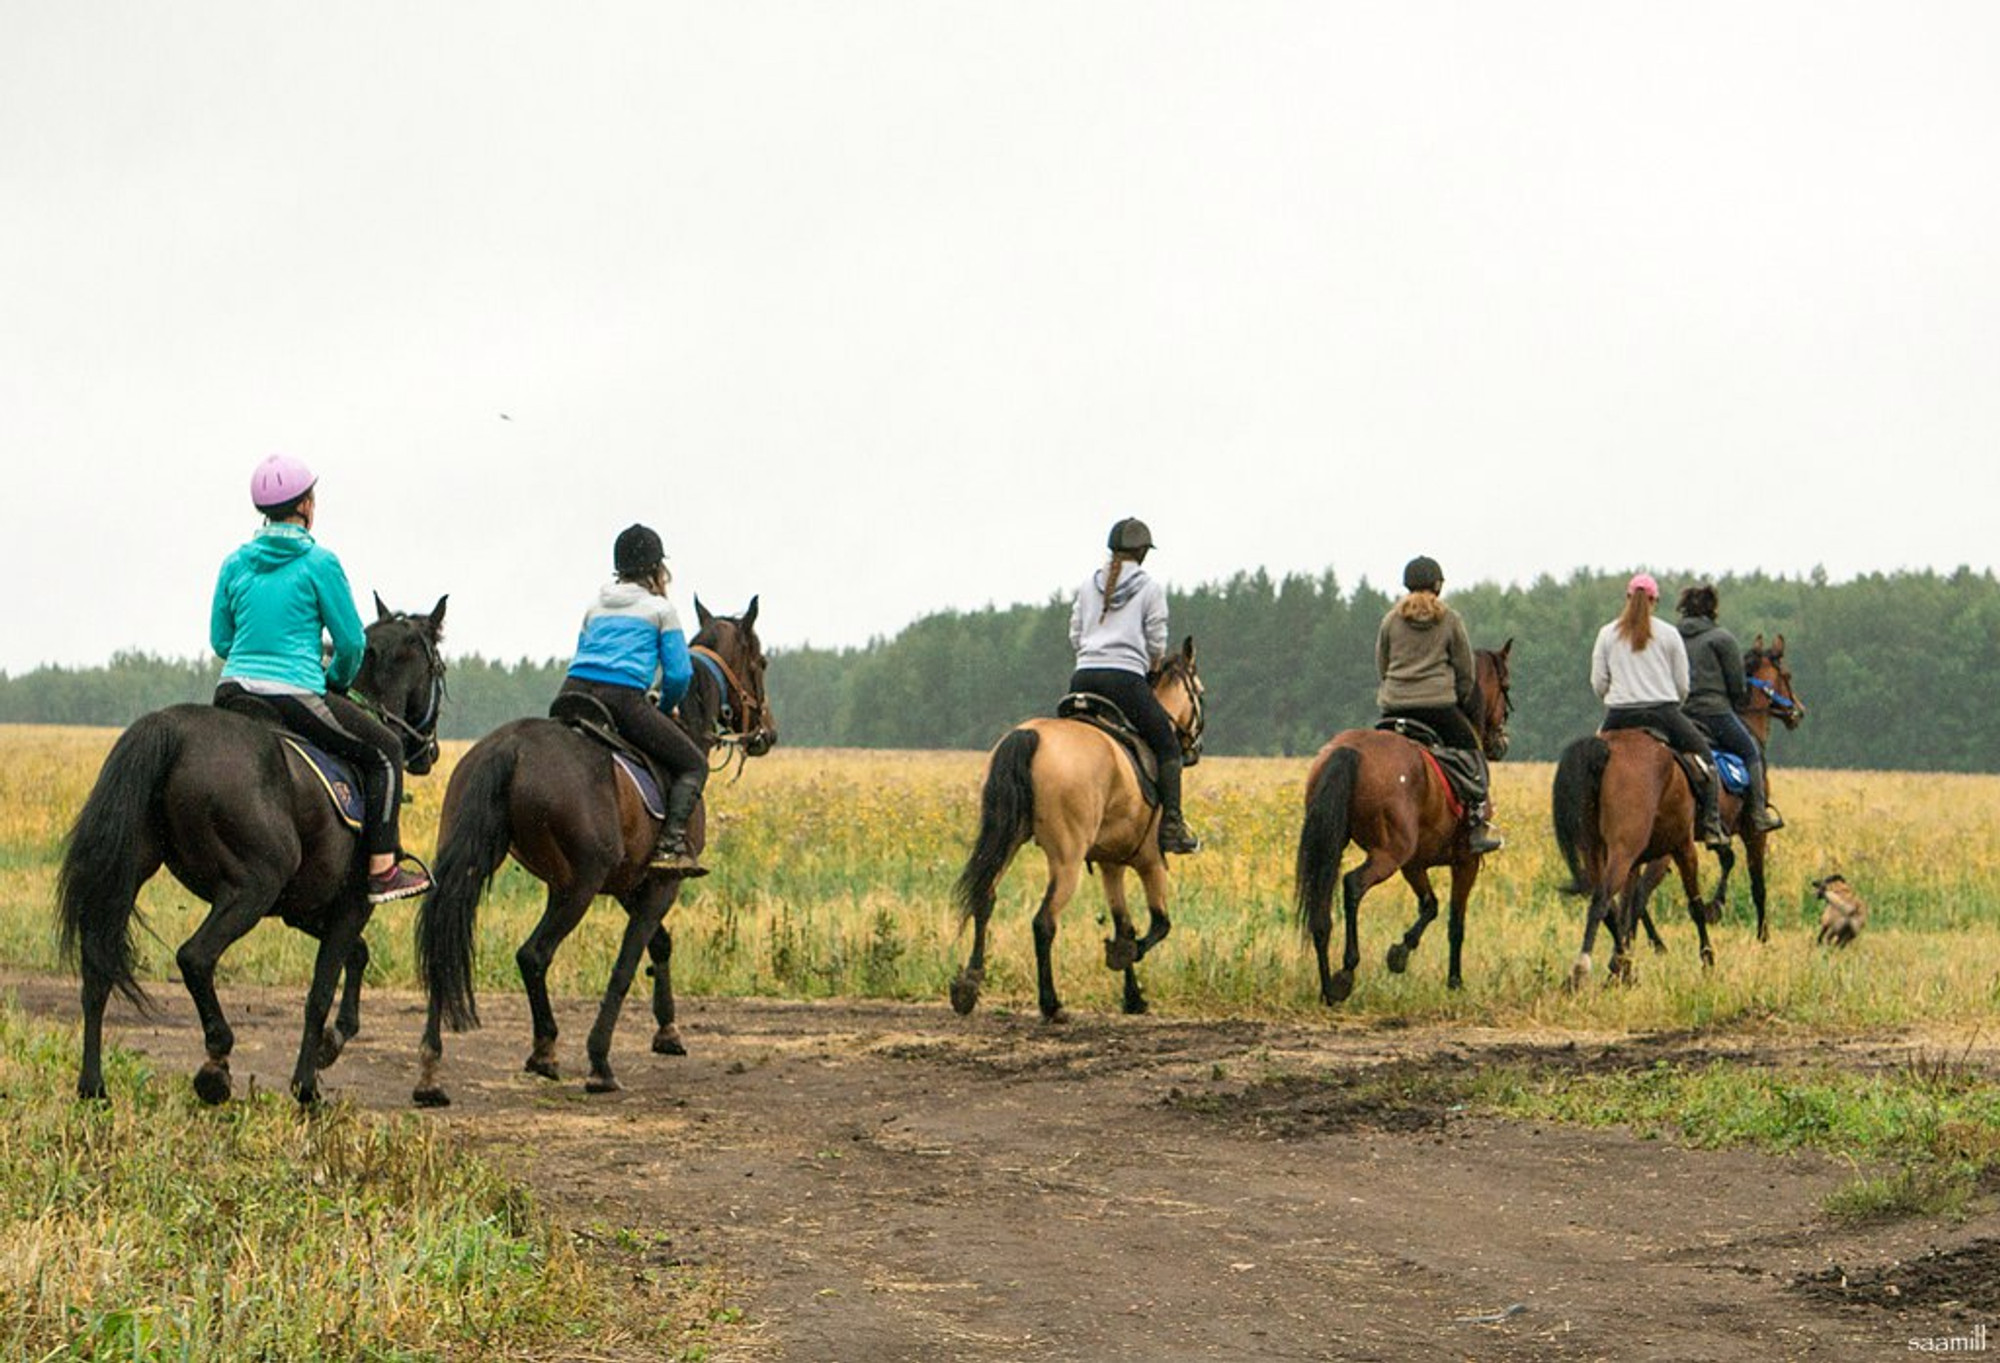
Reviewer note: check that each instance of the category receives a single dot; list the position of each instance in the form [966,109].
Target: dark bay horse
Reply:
[243,822]
[552,797]
[1069,786]
[1620,800]
[1382,792]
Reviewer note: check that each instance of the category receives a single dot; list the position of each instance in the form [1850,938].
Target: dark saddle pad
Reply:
[586,714]
[1101,712]
[336,776]
[1464,770]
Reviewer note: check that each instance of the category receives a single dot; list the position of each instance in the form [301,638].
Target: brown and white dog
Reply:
[1845,912]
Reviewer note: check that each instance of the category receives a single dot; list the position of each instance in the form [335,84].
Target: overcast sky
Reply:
[877,309]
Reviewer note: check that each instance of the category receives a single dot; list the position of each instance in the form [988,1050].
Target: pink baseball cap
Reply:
[279,479]
[1643,582]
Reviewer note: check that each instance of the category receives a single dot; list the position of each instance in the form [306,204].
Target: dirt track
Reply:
[892,1182]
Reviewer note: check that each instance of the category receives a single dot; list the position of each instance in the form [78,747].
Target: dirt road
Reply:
[891,1182]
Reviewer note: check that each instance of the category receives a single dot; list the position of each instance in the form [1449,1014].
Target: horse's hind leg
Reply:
[645,908]
[347,1022]
[1689,865]
[1753,857]
[336,950]
[96,993]
[667,1040]
[236,910]
[1427,911]
[1463,875]
[430,1055]
[1356,883]
[1063,878]
[562,911]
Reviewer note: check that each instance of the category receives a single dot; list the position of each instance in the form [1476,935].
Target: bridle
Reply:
[1787,708]
[418,737]
[1496,731]
[741,713]
[1189,735]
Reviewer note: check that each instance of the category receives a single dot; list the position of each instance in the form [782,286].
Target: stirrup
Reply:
[676,858]
[1176,838]
[1480,839]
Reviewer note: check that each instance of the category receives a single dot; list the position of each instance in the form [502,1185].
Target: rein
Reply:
[1190,734]
[419,739]
[1778,702]
[729,730]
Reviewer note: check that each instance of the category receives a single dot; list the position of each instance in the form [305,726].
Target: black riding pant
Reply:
[350,733]
[1130,693]
[1681,732]
[1453,728]
[641,724]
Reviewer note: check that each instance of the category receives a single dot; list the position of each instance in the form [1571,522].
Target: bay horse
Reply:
[247,826]
[1383,792]
[1069,786]
[553,798]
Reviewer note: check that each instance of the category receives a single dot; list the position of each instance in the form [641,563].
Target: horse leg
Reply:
[336,949]
[1153,876]
[1427,911]
[1372,872]
[1688,862]
[1063,878]
[236,910]
[1651,874]
[645,908]
[430,1055]
[1598,915]
[347,1022]
[563,910]
[1121,949]
[1725,858]
[667,1040]
[96,993]
[1463,874]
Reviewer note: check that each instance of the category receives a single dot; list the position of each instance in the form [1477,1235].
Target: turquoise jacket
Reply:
[274,597]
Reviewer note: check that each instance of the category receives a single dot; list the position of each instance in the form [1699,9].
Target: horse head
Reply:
[1495,701]
[1178,688]
[1771,682]
[732,643]
[401,680]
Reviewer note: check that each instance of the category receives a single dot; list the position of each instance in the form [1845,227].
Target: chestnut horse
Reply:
[1068,785]
[552,797]
[1381,791]
[246,825]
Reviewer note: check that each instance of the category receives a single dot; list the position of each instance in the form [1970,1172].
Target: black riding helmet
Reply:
[1130,536]
[1422,574]
[637,551]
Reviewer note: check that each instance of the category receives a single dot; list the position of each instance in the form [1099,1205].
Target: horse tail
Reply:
[1579,779]
[97,888]
[472,847]
[1006,820]
[1324,835]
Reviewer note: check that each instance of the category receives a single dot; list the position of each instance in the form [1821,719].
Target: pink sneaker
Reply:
[397,883]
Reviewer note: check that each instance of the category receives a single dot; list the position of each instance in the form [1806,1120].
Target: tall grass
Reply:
[832,875]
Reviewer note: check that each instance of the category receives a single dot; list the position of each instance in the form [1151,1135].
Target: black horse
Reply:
[551,796]
[246,825]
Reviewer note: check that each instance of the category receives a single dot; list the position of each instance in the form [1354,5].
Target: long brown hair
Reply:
[1118,562]
[1635,622]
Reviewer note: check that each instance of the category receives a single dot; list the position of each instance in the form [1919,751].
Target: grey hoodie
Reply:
[1131,636]
[1715,668]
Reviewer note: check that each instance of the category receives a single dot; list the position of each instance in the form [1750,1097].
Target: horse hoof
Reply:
[91,1092]
[1454,983]
[548,1069]
[1338,988]
[667,1041]
[1056,1016]
[1135,1007]
[308,1096]
[1714,913]
[431,1098]
[1120,953]
[1659,948]
[965,993]
[330,1045]
[1763,933]
[211,1084]
[1579,974]
[1707,959]
[1399,958]
[601,1083]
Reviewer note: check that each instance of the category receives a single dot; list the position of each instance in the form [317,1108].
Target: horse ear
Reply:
[1778,649]
[1507,648]
[436,617]
[382,612]
[1187,648]
[701,614]
[1757,644]
[750,615]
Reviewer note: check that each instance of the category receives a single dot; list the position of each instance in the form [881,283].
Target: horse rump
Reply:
[1579,775]
[1006,819]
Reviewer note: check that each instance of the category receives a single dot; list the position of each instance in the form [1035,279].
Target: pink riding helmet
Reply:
[1643,582]
[279,479]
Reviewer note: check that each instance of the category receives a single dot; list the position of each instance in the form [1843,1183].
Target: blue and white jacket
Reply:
[630,635]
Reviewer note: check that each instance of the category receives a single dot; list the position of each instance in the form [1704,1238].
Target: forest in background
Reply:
[1895,670]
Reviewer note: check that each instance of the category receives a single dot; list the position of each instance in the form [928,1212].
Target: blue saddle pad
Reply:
[642,779]
[1735,775]
[335,776]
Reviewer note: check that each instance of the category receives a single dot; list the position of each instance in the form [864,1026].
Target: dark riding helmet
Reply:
[638,550]
[1422,574]
[1130,535]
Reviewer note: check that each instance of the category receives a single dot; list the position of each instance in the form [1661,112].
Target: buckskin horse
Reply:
[1069,786]
[554,798]
[245,823]
[1384,793]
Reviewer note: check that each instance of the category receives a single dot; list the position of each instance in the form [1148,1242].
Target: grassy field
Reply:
[833,871]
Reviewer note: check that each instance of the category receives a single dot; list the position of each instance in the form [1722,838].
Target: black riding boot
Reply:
[1757,809]
[673,852]
[1708,807]
[1479,835]
[1174,834]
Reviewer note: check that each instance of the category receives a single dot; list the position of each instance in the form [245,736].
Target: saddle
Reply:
[1463,769]
[1102,713]
[586,715]
[336,777]
[1697,772]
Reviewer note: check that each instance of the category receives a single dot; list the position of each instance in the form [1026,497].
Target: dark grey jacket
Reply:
[1715,668]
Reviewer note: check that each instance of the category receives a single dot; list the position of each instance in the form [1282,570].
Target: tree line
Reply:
[1894,669]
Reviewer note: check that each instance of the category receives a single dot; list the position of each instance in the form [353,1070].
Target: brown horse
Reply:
[1621,800]
[1381,791]
[552,797]
[1068,785]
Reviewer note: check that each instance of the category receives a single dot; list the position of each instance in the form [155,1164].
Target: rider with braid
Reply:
[1639,669]
[1119,630]
[1423,656]
[630,635]
[274,599]
[1717,690]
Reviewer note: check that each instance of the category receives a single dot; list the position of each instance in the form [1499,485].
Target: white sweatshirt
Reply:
[1658,676]
[1132,635]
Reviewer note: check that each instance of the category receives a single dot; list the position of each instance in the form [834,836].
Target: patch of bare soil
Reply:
[892,1182]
